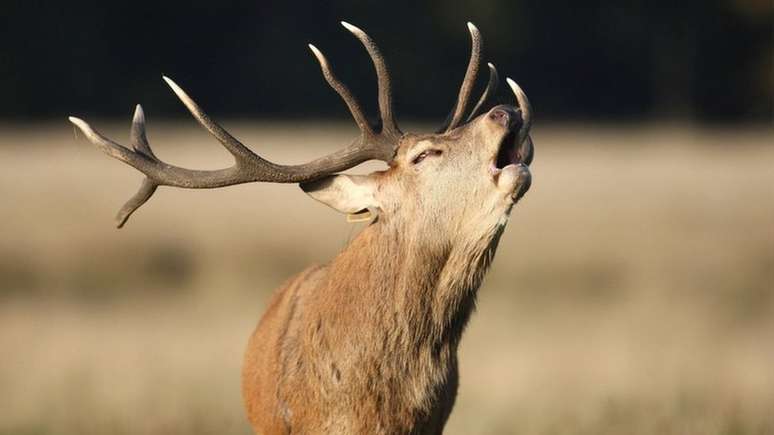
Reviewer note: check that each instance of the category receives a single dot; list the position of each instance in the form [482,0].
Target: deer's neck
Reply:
[389,314]
[420,292]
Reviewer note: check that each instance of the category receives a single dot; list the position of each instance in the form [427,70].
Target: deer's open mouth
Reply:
[507,153]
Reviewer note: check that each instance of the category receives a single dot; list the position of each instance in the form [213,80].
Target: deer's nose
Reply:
[504,115]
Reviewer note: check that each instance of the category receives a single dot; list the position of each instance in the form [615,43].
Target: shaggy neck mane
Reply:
[419,293]
[401,304]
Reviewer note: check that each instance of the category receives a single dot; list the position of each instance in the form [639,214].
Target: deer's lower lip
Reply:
[513,180]
[496,172]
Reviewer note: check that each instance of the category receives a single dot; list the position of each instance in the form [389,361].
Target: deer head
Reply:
[471,172]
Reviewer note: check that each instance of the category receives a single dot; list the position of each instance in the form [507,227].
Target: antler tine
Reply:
[389,125]
[108,146]
[491,88]
[469,80]
[236,148]
[137,136]
[139,140]
[524,106]
[147,189]
[343,91]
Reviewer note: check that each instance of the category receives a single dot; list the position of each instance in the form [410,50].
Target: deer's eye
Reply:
[424,154]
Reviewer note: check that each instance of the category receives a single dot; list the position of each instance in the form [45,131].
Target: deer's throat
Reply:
[431,286]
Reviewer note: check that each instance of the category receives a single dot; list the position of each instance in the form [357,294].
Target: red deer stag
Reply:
[367,344]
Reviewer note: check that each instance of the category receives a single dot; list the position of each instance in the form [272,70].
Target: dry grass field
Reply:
[633,291]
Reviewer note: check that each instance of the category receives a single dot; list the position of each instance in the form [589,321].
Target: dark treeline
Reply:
[702,60]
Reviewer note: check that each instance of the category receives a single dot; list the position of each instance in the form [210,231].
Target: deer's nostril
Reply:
[501,116]
[499,113]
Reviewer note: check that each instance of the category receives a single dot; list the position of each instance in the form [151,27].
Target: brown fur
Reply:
[374,355]
[368,343]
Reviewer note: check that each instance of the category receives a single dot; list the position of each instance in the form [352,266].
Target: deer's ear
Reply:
[351,194]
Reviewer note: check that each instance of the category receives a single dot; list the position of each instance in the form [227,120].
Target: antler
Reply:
[250,167]
[455,117]
[491,88]
[458,112]
[526,149]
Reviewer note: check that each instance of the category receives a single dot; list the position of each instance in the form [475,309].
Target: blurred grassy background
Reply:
[633,291]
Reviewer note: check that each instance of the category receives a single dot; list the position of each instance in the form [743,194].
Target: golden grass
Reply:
[633,291]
